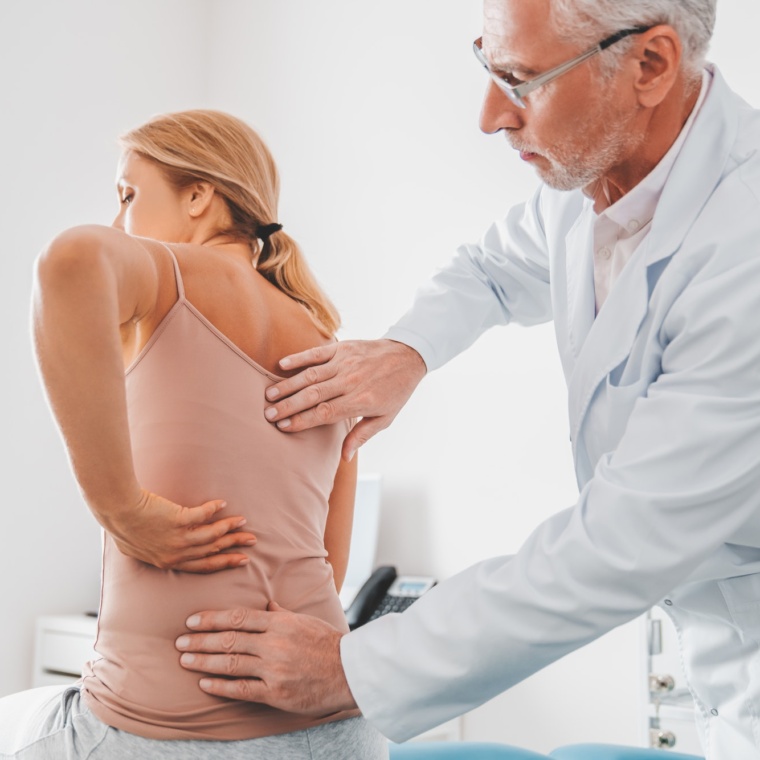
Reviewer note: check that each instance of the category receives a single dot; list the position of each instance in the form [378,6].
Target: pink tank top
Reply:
[196,418]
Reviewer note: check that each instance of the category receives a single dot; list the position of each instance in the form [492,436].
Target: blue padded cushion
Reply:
[614,752]
[460,751]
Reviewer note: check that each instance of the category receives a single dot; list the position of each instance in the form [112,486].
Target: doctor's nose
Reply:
[498,111]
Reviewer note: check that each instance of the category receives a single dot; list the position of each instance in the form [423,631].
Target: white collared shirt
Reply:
[621,228]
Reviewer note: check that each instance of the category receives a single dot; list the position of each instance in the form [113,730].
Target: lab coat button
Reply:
[668,602]
[713,711]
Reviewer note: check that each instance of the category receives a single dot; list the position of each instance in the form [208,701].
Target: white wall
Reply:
[73,75]
[371,112]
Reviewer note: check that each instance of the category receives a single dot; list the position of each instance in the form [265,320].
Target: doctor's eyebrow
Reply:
[505,66]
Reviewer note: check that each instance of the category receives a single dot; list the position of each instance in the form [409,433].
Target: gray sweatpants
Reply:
[53,723]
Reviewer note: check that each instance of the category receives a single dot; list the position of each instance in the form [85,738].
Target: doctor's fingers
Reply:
[237,619]
[345,360]
[322,391]
[307,377]
[319,404]
[233,664]
[362,432]
[230,653]
[310,357]
[241,689]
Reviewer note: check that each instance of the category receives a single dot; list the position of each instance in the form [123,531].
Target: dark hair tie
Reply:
[265,231]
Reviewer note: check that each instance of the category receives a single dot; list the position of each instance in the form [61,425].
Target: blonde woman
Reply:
[156,339]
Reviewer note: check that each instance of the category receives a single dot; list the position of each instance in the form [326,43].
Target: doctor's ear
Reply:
[658,53]
[198,197]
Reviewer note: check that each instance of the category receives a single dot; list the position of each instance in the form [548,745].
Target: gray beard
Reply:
[570,171]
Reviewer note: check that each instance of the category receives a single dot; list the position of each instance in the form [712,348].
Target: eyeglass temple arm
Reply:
[554,73]
[603,45]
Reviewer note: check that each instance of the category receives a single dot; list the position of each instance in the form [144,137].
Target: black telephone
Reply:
[385,591]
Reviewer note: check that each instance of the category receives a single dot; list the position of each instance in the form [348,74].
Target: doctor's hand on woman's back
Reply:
[172,537]
[371,379]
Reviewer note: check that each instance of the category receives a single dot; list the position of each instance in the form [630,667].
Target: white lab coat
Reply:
[669,473]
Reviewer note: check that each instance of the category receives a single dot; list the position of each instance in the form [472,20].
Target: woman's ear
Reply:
[658,57]
[198,197]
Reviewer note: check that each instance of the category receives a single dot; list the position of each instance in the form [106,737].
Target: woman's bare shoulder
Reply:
[109,241]
[84,233]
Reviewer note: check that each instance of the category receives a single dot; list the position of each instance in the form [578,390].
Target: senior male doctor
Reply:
[643,246]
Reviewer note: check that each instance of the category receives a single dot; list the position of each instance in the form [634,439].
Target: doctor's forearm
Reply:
[501,279]
[449,313]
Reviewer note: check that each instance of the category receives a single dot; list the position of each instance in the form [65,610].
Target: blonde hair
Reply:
[214,147]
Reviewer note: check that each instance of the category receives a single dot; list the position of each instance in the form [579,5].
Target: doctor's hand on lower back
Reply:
[283,659]
[170,537]
[371,379]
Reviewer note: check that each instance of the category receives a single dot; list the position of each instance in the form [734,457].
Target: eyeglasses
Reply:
[517,92]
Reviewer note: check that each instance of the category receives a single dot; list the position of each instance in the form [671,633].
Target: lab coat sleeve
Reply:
[504,278]
[683,480]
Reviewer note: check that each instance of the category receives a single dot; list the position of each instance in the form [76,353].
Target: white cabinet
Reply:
[63,644]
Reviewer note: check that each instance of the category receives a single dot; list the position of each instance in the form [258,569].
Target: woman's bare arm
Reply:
[89,282]
[340,519]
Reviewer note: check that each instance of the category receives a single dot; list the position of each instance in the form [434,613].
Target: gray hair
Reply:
[590,21]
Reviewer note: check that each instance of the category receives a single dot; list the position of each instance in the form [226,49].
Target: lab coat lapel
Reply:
[610,338]
[697,171]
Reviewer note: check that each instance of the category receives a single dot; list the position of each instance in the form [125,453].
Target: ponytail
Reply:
[281,262]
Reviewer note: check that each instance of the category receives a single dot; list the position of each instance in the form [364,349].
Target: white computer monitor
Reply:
[361,560]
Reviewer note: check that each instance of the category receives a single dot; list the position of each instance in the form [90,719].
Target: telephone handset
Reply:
[383,592]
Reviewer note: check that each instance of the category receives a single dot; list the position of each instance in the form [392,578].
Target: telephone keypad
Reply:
[392,604]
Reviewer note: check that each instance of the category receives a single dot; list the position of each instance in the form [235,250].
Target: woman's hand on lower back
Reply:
[171,537]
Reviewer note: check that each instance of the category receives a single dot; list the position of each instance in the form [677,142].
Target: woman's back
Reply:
[195,394]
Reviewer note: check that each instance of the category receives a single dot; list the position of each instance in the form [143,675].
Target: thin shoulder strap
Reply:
[177,274]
